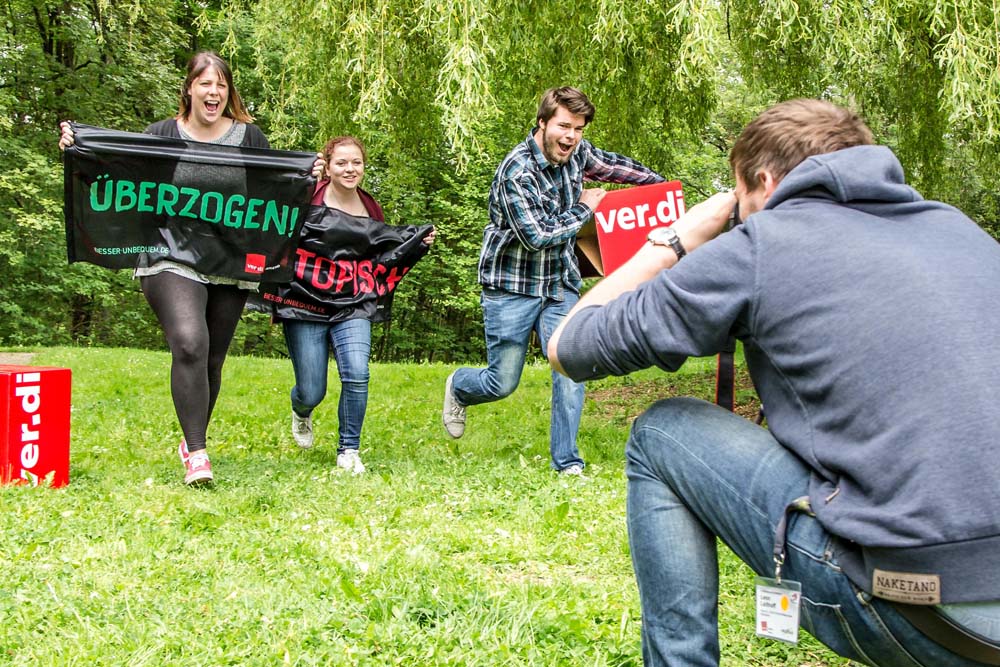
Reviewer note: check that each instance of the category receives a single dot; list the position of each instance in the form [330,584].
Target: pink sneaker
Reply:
[198,469]
[182,451]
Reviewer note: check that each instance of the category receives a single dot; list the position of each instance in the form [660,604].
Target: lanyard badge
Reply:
[779,600]
[778,603]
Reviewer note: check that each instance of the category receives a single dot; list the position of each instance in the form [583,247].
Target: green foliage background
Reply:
[440,90]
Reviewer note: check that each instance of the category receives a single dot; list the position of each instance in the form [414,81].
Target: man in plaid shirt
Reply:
[527,266]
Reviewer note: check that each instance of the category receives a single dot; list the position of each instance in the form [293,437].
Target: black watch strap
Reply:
[666,236]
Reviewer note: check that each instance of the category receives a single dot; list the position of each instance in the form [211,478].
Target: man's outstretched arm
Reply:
[699,225]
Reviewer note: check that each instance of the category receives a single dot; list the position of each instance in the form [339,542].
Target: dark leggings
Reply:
[198,321]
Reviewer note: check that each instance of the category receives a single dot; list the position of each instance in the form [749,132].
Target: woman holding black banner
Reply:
[198,313]
[349,263]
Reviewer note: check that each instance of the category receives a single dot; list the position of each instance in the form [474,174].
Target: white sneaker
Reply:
[302,431]
[350,460]
[575,469]
[453,414]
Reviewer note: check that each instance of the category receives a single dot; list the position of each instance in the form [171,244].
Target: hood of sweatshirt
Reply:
[850,176]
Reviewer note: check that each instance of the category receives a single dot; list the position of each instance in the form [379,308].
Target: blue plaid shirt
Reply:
[535,214]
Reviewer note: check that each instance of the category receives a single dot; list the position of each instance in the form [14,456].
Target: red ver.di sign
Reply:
[34,425]
[625,217]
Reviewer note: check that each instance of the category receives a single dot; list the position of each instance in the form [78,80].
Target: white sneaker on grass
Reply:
[453,414]
[574,469]
[350,460]
[302,431]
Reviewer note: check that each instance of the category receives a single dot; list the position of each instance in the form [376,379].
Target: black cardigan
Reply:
[253,138]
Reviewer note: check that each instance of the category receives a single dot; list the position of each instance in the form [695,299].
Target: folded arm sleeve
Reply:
[608,167]
[686,311]
[522,204]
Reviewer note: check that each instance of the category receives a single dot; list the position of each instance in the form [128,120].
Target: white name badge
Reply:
[778,606]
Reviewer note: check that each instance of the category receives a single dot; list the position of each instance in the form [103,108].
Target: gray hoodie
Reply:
[870,319]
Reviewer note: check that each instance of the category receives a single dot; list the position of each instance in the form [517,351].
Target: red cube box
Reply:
[34,425]
[621,223]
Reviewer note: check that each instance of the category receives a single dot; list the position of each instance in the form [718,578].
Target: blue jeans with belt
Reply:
[509,320]
[309,345]
[696,471]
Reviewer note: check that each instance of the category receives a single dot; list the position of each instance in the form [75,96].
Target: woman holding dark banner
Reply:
[349,261]
[199,313]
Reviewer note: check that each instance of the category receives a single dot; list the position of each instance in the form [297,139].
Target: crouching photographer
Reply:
[870,321]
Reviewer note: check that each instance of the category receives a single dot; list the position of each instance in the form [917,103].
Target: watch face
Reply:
[667,236]
[662,235]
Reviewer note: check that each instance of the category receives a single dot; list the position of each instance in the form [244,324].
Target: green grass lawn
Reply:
[468,552]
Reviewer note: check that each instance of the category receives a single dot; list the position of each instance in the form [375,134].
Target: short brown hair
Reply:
[342,141]
[786,134]
[200,62]
[572,99]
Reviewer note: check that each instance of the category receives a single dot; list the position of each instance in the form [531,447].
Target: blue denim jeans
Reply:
[309,346]
[509,320]
[696,471]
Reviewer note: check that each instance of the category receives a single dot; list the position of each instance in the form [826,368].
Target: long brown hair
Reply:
[200,62]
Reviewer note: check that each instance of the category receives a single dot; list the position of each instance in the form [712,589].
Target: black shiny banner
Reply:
[222,210]
[346,267]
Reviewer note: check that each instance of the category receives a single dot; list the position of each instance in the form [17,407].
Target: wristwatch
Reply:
[668,237]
